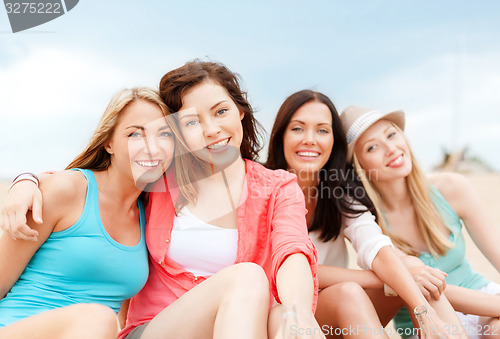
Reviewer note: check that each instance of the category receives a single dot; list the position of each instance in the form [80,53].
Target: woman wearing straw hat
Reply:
[424,216]
[307,139]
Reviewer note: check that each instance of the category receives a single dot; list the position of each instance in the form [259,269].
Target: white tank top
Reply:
[201,248]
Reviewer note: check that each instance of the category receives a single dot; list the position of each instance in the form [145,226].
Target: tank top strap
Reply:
[449,216]
[91,210]
[142,217]
[92,197]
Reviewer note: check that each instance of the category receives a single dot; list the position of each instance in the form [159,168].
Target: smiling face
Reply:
[383,152]
[308,139]
[210,123]
[142,144]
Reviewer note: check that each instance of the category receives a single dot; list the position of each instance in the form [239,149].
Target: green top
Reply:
[454,262]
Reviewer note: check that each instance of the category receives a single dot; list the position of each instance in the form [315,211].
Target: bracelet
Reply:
[25,176]
[389,292]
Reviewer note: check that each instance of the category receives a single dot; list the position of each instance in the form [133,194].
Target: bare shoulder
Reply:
[454,187]
[64,187]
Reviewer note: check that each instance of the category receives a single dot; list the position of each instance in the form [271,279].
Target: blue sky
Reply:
[437,60]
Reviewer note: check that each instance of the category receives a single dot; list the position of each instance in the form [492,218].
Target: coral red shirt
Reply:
[271,226]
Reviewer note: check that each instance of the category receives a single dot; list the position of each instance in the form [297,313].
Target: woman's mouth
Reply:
[308,155]
[219,145]
[148,163]
[397,162]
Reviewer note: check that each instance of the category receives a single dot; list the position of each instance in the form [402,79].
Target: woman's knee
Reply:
[345,290]
[249,278]
[344,294]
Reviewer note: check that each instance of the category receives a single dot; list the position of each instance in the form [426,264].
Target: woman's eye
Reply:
[391,134]
[191,123]
[135,135]
[296,129]
[371,148]
[221,111]
[323,131]
[166,134]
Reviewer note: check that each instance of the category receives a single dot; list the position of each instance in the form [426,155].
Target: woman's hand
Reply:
[430,281]
[23,196]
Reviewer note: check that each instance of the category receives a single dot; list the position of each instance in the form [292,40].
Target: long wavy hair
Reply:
[176,83]
[429,221]
[335,176]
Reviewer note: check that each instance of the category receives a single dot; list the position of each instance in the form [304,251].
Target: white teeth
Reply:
[148,163]
[220,144]
[396,161]
[308,154]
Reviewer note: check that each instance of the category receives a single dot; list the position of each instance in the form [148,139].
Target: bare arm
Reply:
[462,299]
[295,286]
[470,301]
[330,275]
[391,270]
[431,281]
[22,197]
[15,254]
[294,282]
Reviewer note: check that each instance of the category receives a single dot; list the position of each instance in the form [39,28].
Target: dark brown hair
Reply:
[329,210]
[176,82]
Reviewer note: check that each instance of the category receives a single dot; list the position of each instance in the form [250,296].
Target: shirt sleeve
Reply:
[366,237]
[289,231]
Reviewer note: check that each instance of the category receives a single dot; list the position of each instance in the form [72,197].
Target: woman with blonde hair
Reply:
[423,216]
[89,253]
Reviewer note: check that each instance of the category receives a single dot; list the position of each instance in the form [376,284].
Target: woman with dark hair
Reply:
[253,215]
[307,139]
[225,233]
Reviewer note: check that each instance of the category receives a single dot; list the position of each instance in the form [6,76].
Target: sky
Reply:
[439,61]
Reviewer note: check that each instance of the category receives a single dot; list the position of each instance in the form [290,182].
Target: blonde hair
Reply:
[95,157]
[429,221]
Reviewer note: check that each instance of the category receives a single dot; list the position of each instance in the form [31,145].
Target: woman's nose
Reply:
[309,138]
[150,145]
[210,129]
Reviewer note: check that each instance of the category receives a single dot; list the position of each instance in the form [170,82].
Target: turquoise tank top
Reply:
[454,262]
[81,264]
